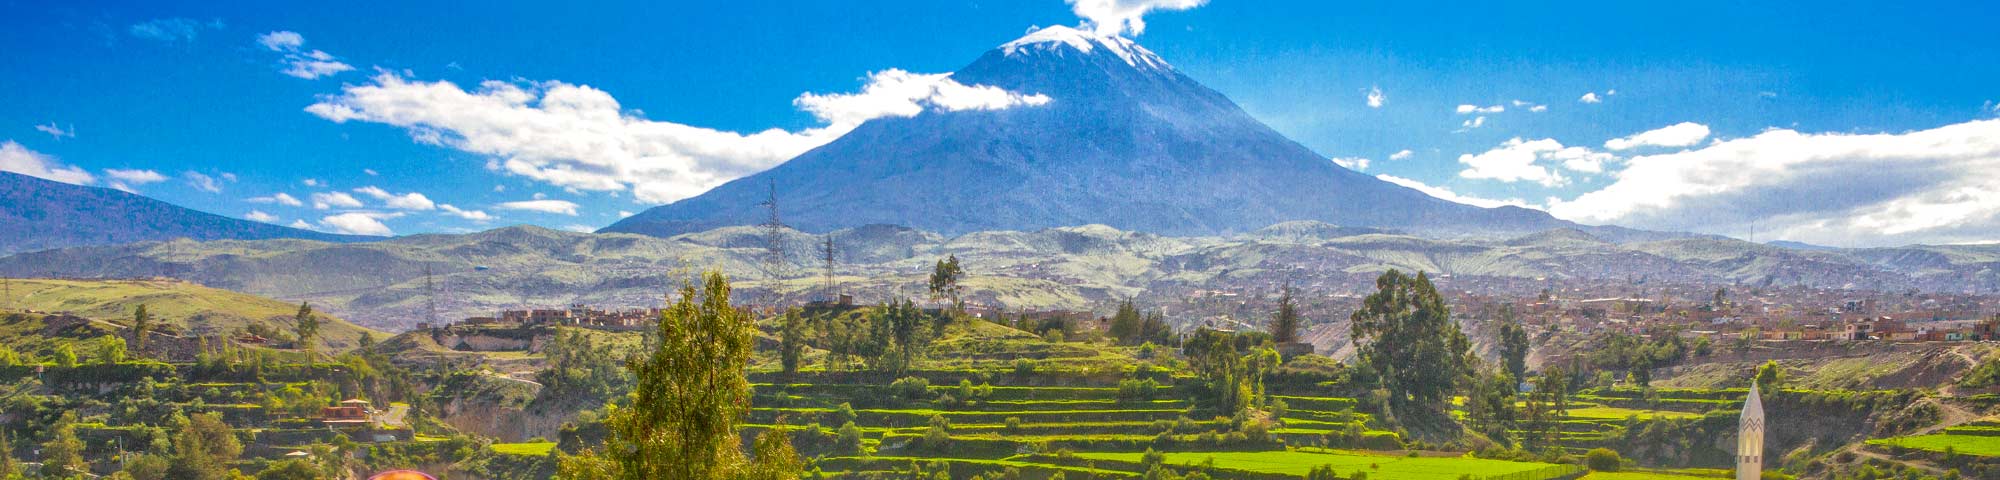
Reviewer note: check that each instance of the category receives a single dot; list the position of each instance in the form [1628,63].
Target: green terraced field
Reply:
[530,449]
[1298,462]
[1644,476]
[1615,413]
[1977,445]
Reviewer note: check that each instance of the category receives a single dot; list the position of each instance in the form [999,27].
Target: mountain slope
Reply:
[383,285]
[1126,141]
[38,214]
[186,306]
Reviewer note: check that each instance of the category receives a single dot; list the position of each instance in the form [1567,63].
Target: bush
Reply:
[1602,460]
[1013,424]
[849,442]
[844,414]
[938,435]
[1137,390]
[1322,472]
[1024,366]
[910,388]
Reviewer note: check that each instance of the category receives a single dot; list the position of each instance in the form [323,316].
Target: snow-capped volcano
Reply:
[1125,140]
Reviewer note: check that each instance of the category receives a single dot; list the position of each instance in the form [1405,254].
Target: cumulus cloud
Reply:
[1376,98]
[203,182]
[57,131]
[579,228]
[1448,195]
[326,200]
[407,201]
[259,215]
[1940,185]
[1402,155]
[473,215]
[1524,160]
[1682,134]
[135,176]
[1116,17]
[19,159]
[1474,122]
[280,198]
[358,223]
[580,138]
[298,61]
[1590,98]
[301,224]
[1472,109]
[1354,163]
[563,207]
[171,30]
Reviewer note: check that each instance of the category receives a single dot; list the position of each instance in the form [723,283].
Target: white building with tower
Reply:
[1750,437]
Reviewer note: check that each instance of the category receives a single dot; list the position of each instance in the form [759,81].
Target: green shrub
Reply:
[849,442]
[910,388]
[1602,460]
[938,435]
[844,414]
[1013,424]
[1137,390]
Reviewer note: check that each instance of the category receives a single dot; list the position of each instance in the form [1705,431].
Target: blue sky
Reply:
[1843,123]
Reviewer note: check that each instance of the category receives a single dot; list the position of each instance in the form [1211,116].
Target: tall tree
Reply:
[689,393]
[62,456]
[306,327]
[1405,331]
[203,448]
[1285,323]
[142,326]
[1127,325]
[1514,346]
[944,281]
[1769,375]
[110,351]
[791,340]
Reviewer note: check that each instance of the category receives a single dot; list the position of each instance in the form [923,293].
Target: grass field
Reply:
[1643,476]
[1615,413]
[530,449]
[182,304]
[1296,462]
[1963,444]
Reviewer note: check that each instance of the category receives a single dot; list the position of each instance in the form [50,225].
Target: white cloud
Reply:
[203,182]
[407,201]
[473,215]
[57,131]
[1471,109]
[1590,98]
[1682,134]
[624,213]
[1115,17]
[311,182]
[1538,108]
[326,200]
[1474,122]
[1531,106]
[170,30]
[1940,185]
[1402,155]
[280,198]
[370,171]
[1519,160]
[18,159]
[1354,163]
[299,62]
[260,216]
[578,137]
[580,228]
[357,223]
[135,176]
[1376,98]
[301,224]
[1448,195]
[545,206]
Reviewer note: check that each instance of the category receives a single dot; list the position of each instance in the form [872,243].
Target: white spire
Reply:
[1750,437]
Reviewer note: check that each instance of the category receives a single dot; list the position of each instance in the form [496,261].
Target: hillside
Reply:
[381,284]
[1125,140]
[186,307]
[38,214]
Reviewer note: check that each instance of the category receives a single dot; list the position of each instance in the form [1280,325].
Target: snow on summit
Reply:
[1054,38]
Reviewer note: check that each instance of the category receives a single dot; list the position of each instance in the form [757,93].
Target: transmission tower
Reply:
[430,298]
[831,289]
[774,236]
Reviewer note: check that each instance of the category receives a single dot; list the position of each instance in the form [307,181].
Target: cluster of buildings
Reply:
[1783,315]
[577,315]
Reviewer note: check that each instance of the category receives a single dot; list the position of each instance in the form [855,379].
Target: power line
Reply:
[831,288]
[774,236]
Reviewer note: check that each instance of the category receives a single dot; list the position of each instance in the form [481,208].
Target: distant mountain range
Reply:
[1126,141]
[382,284]
[38,214]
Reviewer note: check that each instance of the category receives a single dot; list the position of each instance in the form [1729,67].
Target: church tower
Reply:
[1750,438]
